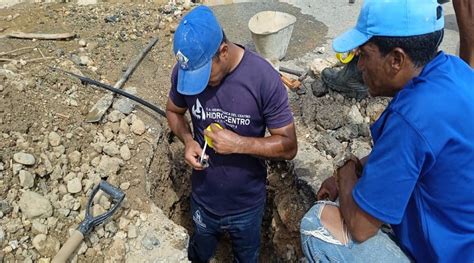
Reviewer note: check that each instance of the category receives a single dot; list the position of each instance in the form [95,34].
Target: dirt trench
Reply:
[168,183]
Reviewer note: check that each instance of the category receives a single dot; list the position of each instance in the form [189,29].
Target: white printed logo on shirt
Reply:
[198,111]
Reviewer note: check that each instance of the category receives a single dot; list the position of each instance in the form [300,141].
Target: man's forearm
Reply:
[274,147]
[180,126]
[361,225]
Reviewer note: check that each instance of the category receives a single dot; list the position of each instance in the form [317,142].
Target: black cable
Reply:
[86,80]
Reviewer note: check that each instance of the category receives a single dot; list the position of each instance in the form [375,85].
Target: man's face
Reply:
[374,70]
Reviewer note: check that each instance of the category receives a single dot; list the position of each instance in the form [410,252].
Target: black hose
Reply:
[114,90]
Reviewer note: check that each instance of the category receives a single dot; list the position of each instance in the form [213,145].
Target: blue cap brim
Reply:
[349,40]
[194,82]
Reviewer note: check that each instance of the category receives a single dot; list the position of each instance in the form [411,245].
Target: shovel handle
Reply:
[68,248]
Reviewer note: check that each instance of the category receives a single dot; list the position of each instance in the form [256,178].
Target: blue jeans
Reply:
[320,246]
[243,228]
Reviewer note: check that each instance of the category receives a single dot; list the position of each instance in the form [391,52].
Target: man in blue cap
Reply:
[224,85]
[419,175]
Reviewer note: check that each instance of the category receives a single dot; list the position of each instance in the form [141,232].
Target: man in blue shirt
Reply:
[419,176]
[222,83]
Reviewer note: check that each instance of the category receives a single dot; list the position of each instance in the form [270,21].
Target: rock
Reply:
[347,133]
[74,158]
[5,208]
[109,166]
[116,252]
[330,114]
[132,231]
[318,64]
[124,128]
[125,152]
[24,158]
[16,168]
[47,246]
[150,241]
[360,148]
[112,19]
[85,61]
[38,228]
[27,180]
[311,167]
[123,223]
[111,149]
[318,88]
[354,116]
[54,139]
[138,127]
[34,205]
[2,235]
[166,239]
[74,186]
[47,163]
[123,104]
[327,143]
[82,43]
[125,186]
[115,116]
[57,173]
[374,110]
[109,135]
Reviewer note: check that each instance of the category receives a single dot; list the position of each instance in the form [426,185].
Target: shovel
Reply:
[86,226]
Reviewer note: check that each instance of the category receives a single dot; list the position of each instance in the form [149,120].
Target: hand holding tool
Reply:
[207,141]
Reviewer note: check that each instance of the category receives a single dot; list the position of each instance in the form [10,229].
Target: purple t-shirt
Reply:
[249,100]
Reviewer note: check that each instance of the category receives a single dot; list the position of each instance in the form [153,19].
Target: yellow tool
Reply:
[207,141]
[348,58]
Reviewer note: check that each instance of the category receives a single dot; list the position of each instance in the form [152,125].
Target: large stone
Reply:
[360,148]
[327,143]
[5,207]
[330,114]
[111,149]
[123,104]
[38,228]
[374,109]
[27,179]
[74,186]
[318,64]
[24,158]
[125,152]
[115,116]
[109,166]
[138,127]
[74,158]
[354,116]
[47,246]
[116,252]
[311,167]
[173,239]
[34,205]
[54,139]
[124,128]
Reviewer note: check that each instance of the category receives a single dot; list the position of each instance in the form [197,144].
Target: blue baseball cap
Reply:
[196,40]
[391,18]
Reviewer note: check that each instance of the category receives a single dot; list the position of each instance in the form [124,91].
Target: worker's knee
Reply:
[324,221]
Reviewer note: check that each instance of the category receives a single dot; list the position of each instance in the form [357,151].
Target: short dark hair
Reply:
[421,48]
[224,40]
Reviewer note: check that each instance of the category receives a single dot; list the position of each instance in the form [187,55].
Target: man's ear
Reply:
[224,50]
[397,60]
